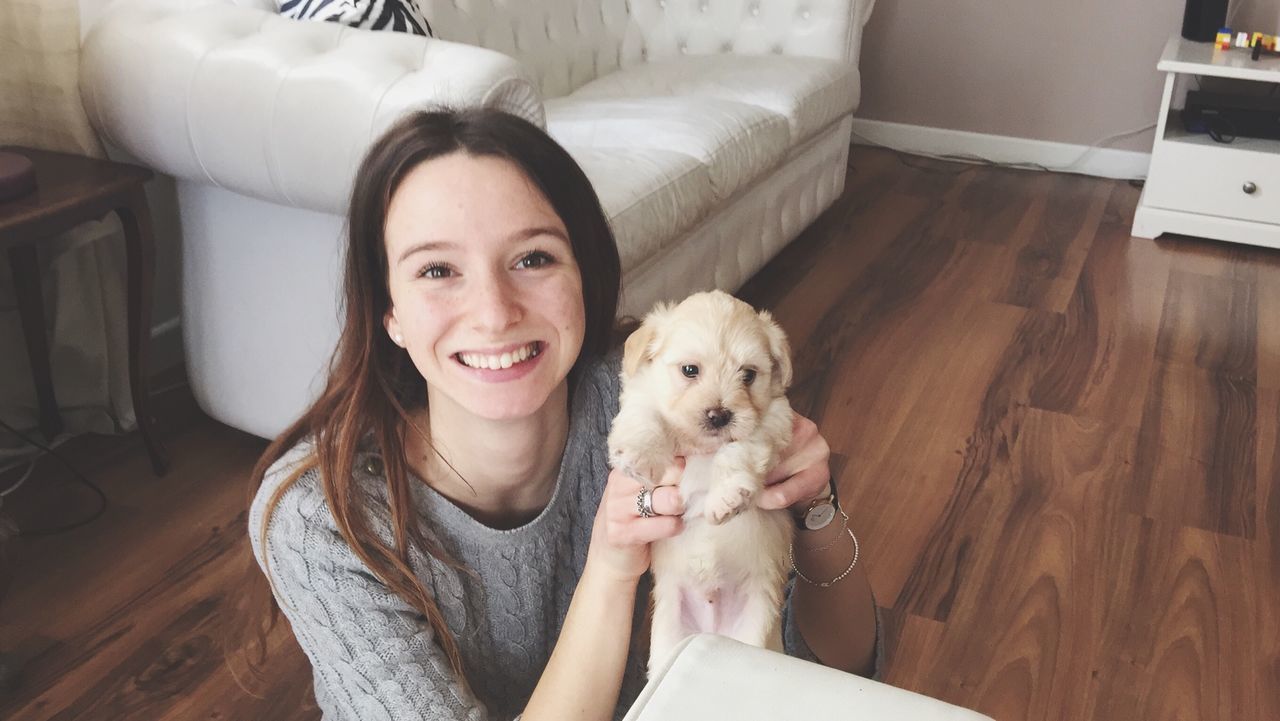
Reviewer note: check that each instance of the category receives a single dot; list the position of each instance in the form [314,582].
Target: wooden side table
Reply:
[71,190]
[1200,187]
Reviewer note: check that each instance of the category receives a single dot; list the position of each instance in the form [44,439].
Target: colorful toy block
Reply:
[1223,42]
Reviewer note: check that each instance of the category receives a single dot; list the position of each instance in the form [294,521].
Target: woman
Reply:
[441,527]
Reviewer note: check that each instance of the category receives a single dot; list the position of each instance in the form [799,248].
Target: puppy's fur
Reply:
[706,379]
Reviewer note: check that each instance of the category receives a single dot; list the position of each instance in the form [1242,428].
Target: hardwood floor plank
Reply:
[1040,518]
[1196,458]
[903,416]
[1189,649]
[941,568]
[1210,323]
[1269,331]
[1101,366]
[1047,264]
[1265,573]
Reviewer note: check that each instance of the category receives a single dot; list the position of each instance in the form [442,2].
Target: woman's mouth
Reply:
[500,361]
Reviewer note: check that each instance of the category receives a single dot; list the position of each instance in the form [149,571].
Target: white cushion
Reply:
[737,142]
[714,677]
[811,93]
[650,196]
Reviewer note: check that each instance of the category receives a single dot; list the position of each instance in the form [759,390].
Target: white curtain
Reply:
[83,271]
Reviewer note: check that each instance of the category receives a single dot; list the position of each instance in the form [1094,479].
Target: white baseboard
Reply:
[1101,162]
[166,346]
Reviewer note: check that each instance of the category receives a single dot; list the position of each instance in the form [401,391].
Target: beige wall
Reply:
[1071,71]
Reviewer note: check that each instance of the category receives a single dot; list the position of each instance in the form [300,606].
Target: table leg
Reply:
[140,253]
[26,283]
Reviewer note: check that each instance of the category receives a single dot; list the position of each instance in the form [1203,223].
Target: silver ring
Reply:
[644,503]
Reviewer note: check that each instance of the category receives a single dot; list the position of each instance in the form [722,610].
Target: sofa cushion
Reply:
[651,197]
[811,93]
[737,142]
[399,15]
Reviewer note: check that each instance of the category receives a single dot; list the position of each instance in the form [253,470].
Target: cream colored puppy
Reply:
[706,379]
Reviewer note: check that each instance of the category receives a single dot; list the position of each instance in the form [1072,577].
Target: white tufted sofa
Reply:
[714,131]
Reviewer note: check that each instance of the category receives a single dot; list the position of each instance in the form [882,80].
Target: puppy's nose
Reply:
[719,417]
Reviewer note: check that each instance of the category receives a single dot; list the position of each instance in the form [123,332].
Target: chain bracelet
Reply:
[791,555]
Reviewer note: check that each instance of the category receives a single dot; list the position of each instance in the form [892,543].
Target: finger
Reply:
[803,486]
[781,472]
[668,501]
[651,529]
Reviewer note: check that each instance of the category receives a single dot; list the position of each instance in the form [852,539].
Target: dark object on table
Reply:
[1225,116]
[1202,18]
[71,190]
[17,176]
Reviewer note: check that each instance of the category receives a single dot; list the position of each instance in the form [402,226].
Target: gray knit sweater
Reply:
[374,657]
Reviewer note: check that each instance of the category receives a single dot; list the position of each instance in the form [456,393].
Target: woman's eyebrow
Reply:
[426,245]
[517,237]
[528,233]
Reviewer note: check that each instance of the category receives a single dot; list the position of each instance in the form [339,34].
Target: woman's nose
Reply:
[497,306]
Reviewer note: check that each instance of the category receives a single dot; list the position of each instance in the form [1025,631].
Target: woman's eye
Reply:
[536,259]
[689,371]
[435,271]
[748,376]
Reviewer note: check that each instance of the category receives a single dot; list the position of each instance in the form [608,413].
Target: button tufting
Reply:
[726,47]
[755,9]
[644,53]
[662,4]
[804,14]
[684,48]
[703,7]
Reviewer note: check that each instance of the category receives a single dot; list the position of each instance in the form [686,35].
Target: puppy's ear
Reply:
[779,351]
[640,347]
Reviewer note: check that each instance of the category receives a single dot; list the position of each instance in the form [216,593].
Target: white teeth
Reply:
[496,362]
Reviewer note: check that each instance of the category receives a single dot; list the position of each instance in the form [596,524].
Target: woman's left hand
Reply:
[803,472]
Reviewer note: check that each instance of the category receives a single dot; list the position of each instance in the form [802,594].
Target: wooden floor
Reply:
[1062,457]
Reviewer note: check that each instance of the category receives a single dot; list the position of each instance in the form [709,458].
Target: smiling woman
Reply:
[441,527]
[498,301]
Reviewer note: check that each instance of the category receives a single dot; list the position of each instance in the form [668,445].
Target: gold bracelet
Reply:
[791,555]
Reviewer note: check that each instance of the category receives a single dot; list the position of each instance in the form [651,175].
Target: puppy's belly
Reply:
[716,610]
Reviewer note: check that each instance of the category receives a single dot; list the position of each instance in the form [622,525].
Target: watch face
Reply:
[819,516]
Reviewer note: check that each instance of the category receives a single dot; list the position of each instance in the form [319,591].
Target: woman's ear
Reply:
[393,327]
[779,351]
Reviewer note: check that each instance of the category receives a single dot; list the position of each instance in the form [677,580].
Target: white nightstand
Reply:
[1200,187]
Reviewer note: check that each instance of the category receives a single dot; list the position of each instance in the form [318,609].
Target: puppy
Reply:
[706,379]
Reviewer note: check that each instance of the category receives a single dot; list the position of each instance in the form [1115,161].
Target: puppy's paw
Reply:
[646,468]
[728,499]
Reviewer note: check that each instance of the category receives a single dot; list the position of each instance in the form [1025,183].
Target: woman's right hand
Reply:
[621,536]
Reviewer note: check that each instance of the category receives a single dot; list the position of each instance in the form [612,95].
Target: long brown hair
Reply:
[372,384]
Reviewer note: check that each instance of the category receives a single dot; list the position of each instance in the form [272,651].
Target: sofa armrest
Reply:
[714,677]
[809,28]
[269,107]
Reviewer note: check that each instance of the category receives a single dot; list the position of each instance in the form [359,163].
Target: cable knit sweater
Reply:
[374,657]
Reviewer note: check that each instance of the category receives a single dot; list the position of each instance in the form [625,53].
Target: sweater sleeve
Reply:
[373,655]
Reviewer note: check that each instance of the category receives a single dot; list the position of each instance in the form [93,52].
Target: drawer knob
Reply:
[1250,188]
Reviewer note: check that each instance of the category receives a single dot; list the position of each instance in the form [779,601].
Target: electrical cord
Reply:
[102,497]
[978,160]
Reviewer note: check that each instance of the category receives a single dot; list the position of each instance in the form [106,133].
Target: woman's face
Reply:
[485,291]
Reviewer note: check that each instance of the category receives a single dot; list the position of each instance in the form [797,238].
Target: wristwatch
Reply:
[821,511]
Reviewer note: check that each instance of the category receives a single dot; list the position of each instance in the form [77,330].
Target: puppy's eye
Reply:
[749,376]
[689,371]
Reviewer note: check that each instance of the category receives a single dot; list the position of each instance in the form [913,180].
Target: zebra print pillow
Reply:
[400,15]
